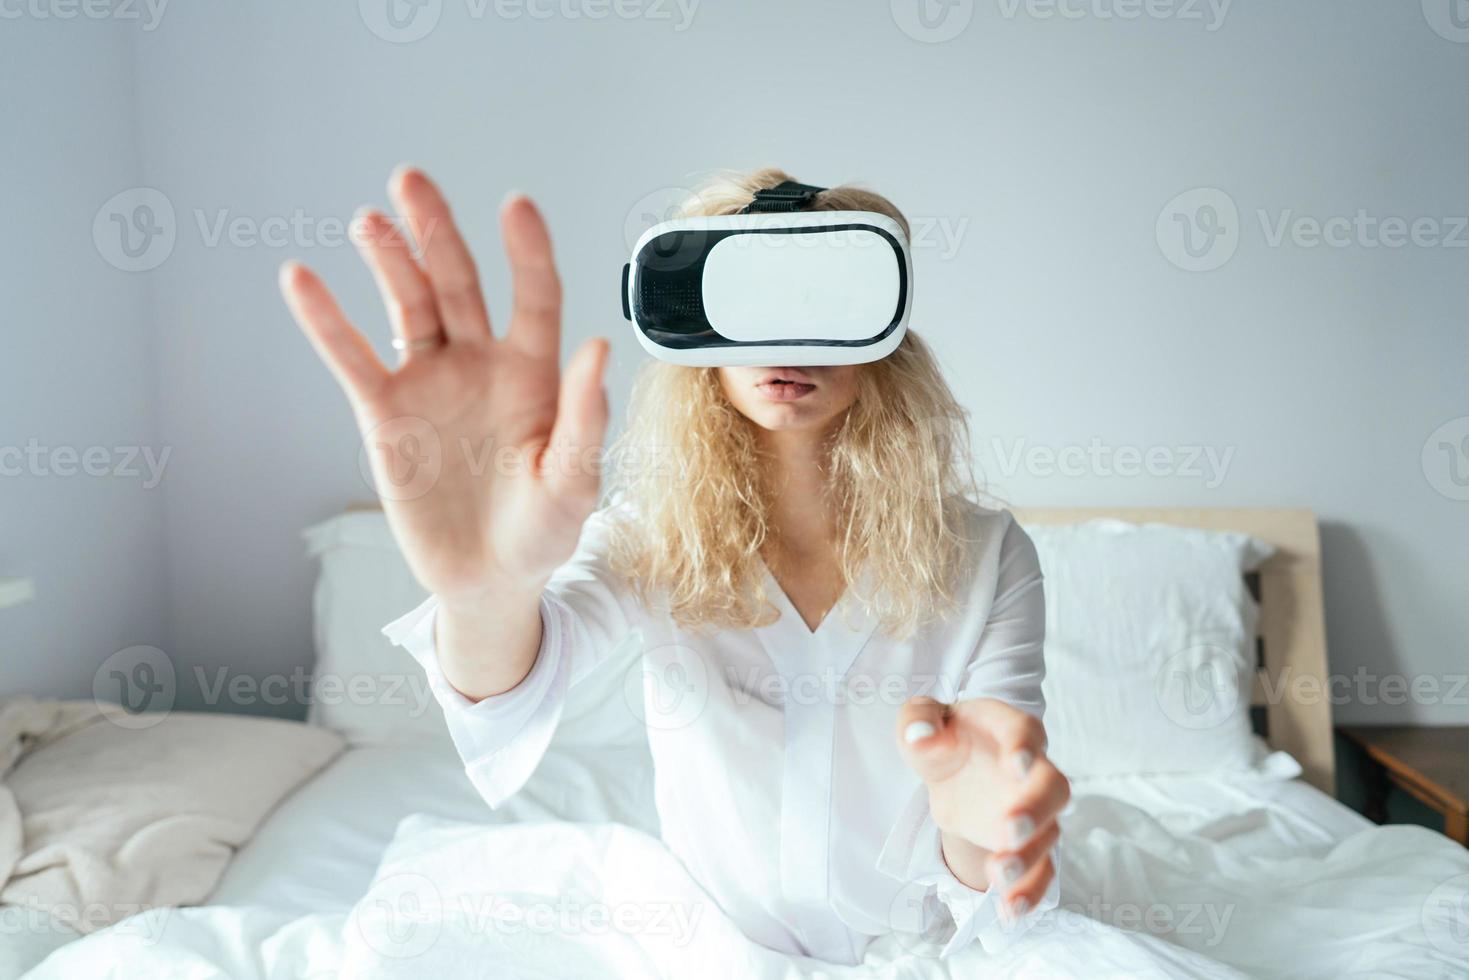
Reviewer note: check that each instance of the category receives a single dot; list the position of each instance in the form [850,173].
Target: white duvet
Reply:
[1142,896]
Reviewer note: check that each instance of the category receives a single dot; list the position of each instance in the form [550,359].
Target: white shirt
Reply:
[777,776]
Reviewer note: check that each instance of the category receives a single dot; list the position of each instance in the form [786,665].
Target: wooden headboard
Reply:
[1292,624]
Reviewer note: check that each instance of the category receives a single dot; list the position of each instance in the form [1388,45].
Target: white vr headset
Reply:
[774,285]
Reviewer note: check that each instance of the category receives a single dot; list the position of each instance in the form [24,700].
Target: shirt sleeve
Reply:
[1009,662]
[915,853]
[1008,665]
[501,739]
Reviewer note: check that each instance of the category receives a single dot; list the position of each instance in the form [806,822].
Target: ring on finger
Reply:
[418,343]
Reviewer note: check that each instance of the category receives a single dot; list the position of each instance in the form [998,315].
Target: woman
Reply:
[792,549]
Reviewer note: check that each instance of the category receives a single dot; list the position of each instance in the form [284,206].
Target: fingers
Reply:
[581,423]
[345,351]
[446,259]
[1023,877]
[401,282]
[1041,796]
[1005,868]
[535,322]
[1020,741]
[929,743]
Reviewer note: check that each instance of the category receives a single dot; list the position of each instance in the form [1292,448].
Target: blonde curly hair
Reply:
[694,510]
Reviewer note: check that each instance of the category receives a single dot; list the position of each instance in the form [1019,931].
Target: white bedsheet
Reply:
[318,852]
[1167,877]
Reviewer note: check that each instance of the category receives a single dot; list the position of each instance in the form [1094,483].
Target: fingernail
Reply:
[1021,828]
[1019,907]
[917,731]
[1009,871]
[1022,762]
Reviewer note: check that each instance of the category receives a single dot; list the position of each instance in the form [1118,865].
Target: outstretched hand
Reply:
[471,519]
[991,790]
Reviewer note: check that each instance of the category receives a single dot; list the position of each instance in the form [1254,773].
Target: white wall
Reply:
[77,367]
[1048,145]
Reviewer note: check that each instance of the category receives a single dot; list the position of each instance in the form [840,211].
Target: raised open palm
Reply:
[481,448]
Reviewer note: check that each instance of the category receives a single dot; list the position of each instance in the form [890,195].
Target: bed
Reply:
[387,864]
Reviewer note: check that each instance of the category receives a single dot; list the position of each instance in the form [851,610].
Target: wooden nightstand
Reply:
[1431,764]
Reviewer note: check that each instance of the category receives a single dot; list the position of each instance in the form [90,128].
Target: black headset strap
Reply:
[785,196]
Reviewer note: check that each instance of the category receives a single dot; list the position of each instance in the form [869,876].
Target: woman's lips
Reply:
[784,391]
[785,384]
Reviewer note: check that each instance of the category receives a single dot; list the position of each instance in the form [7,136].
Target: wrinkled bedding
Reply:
[1193,878]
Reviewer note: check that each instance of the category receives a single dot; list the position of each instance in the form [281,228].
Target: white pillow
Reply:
[362,686]
[374,693]
[1150,647]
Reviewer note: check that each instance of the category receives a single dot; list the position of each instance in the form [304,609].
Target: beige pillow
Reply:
[118,819]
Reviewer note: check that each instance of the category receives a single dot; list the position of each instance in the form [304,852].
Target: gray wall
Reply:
[1038,153]
[79,512]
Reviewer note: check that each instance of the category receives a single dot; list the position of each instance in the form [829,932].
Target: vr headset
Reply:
[773,285]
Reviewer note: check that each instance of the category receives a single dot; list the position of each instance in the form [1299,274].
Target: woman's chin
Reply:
[790,416]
